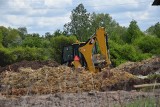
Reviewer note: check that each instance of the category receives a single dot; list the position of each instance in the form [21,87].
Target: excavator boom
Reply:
[100,38]
[85,54]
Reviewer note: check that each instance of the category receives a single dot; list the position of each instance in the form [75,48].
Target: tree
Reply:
[114,30]
[101,20]
[133,32]
[57,44]
[1,39]
[154,30]
[157,29]
[4,32]
[58,32]
[22,32]
[48,35]
[13,38]
[32,40]
[79,24]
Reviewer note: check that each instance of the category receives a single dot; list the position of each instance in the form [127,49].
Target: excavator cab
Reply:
[69,53]
[84,54]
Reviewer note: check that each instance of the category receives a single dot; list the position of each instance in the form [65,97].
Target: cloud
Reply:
[57,3]
[48,15]
[125,11]
[36,15]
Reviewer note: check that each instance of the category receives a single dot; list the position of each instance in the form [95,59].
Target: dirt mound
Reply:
[47,80]
[53,78]
[25,64]
[144,67]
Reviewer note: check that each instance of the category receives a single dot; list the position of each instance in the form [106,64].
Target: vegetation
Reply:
[144,102]
[126,44]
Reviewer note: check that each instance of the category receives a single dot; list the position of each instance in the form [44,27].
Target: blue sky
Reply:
[41,16]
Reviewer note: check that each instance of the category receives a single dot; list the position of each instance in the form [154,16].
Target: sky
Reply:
[41,16]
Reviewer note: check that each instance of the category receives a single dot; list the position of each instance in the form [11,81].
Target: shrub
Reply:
[6,57]
[11,55]
[29,53]
[122,53]
[149,44]
[57,43]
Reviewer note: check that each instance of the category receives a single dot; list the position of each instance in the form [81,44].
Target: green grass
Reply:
[145,102]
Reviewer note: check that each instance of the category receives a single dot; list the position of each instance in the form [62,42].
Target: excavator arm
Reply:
[100,38]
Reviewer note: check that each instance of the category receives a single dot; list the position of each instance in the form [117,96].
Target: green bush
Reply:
[149,44]
[57,44]
[122,53]
[32,41]
[6,57]
[9,56]
[29,53]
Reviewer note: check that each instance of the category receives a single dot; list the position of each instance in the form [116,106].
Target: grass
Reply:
[145,102]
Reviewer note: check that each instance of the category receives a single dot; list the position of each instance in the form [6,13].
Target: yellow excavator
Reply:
[85,54]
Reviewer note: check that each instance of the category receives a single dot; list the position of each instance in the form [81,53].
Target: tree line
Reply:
[126,43]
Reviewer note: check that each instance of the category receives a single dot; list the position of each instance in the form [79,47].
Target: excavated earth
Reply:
[49,84]
[33,64]
[145,67]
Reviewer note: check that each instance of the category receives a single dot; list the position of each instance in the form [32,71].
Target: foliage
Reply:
[5,57]
[32,41]
[154,30]
[113,29]
[12,38]
[133,32]
[149,44]
[154,77]
[126,44]
[122,53]
[79,23]
[1,39]
[11,55]
[22,32]
[143,102]
[28,53]
[57,43]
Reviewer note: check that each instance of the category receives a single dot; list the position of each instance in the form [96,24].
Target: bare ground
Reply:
[26,87]
[92,99]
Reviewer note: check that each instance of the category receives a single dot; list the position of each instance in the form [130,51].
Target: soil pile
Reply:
[47,80]
[145,67]
[48,77]
[25,64]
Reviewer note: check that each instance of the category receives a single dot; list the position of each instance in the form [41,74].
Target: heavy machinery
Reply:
[85,54]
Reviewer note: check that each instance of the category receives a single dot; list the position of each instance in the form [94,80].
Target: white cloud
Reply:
[113,4]
[57,3]
[53,21]
[48,15]
[18,20]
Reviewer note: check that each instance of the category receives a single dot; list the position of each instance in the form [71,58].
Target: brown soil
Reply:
[48,80]
[47,77]
[33,64]
[145,67]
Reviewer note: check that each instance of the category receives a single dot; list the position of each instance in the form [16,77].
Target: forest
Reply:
[126,43]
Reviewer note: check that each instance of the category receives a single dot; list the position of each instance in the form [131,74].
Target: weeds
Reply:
[144,102]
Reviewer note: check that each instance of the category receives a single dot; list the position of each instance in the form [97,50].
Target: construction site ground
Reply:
[48,84]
